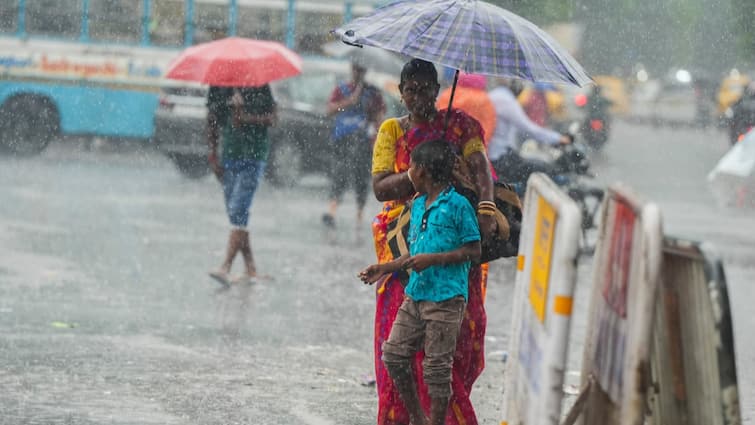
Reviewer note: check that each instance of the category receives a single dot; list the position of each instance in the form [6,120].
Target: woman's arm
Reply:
[392,186]
[387,184]
[480,169]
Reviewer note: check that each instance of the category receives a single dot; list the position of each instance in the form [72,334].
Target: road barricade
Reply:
[694,378]
[626,271]
[546,274]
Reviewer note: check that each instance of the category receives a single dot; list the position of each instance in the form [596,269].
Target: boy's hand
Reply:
[419,262]
[371,274]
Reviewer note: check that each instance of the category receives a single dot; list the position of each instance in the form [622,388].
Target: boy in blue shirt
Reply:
[444,239]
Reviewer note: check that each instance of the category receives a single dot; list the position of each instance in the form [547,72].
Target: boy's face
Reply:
[417,176]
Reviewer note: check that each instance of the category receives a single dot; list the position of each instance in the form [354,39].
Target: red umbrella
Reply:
[235,62]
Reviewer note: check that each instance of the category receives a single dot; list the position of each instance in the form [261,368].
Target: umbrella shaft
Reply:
[451,101]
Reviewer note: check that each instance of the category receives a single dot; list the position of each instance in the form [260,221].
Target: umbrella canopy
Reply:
[473,36]
[372,59]
[235,62]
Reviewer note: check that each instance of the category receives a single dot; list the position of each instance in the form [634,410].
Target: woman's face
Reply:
[419,96]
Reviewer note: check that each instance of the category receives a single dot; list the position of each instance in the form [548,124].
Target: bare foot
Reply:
[251,278]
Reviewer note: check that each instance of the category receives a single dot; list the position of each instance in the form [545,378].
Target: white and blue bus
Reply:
[94,67]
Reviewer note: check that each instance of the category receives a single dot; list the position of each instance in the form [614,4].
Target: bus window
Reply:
[8,17]
[210,21]
[262,23]
[115,20]
[46,18]
[166,27]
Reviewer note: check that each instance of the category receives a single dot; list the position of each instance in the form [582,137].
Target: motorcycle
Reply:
[596,124]
[569,167]
[740,121]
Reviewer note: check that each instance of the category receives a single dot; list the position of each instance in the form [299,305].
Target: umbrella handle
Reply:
[350,38]
[450,102]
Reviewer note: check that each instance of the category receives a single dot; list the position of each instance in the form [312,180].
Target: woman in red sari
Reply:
[397,137]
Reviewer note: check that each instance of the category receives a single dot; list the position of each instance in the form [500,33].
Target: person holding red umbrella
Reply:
[242,116]
[240,109]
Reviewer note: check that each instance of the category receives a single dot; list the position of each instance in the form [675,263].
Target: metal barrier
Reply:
[626,272]
[694,378]
[546,274]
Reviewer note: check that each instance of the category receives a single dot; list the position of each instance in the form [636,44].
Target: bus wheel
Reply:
[28,124]
[191,166]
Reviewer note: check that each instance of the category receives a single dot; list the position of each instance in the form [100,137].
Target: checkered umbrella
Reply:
[469,35]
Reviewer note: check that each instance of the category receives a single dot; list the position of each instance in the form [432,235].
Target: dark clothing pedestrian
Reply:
[358,108]
[351,168]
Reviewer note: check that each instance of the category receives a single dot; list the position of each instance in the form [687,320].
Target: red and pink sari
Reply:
[469,359]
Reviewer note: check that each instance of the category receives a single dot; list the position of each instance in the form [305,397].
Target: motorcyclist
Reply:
[503,149]
[743,113]
[597,119]
[598,106]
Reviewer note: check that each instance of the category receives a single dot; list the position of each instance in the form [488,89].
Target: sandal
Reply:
[220,277]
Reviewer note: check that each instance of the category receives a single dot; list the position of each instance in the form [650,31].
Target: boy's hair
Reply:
[418,69]
[437,157]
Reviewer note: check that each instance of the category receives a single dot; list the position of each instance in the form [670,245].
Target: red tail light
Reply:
[580,100]
[596,125]
[742,136]
[165,103]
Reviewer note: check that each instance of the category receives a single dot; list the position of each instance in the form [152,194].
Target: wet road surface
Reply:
[107,315]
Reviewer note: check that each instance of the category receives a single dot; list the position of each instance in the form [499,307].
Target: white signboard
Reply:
[625,278]
[546,274]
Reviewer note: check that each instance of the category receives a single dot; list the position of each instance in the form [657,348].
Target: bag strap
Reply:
[508,195]
[504,228]
[397,232]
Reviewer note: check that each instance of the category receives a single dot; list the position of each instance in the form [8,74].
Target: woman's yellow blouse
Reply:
[384,153]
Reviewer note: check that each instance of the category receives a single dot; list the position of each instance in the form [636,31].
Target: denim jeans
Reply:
[240,181]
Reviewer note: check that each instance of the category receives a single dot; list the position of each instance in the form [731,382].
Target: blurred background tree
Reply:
[707,36]
[744,17]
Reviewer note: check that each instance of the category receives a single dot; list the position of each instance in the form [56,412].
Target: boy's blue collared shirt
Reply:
[446,225]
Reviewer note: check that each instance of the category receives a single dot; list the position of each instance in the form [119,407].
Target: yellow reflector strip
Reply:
[520,262]
[562,305]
